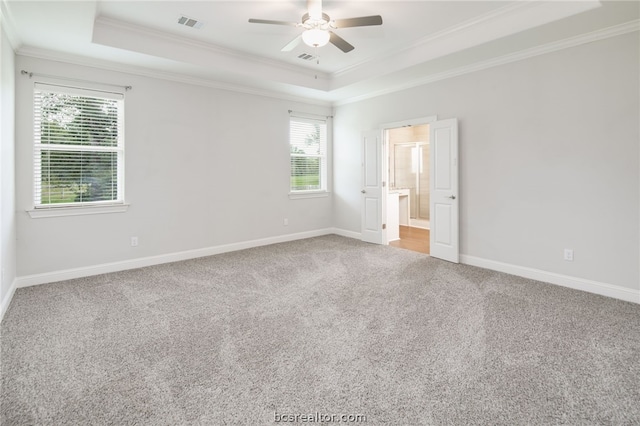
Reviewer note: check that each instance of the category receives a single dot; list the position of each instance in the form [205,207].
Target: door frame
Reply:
[384,128]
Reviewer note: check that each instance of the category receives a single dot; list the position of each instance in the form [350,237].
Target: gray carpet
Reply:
[327,325]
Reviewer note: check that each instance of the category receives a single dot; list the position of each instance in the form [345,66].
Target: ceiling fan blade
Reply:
[292,44]
[339,42]
[363,21]
[267,21]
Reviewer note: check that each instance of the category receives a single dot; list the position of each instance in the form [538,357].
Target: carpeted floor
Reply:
[327,325]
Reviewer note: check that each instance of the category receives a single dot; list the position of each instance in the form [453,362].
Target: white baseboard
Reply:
[609,290]
[603,289]
[7,299]
[68,274]
[345,233]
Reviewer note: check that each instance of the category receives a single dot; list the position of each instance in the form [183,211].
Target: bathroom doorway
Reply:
[408,162]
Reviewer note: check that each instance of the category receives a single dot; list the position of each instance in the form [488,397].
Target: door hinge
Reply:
[384,226]
[384,184]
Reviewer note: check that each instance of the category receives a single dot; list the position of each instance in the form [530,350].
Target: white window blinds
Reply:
[308,150]
[78,146]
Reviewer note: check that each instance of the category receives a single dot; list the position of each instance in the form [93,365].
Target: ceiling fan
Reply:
[318,25]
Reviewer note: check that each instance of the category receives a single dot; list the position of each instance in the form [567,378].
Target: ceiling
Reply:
[419,41]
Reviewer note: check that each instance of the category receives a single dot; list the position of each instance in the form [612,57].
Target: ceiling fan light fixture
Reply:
[318,27]
[316,37]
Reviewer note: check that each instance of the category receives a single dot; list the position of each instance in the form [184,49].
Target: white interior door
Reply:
[372,200]
[444,224]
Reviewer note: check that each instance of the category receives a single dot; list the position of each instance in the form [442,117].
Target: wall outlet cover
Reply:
[568,255]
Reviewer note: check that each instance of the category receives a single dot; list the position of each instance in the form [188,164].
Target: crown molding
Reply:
[123,35]
[7,24]
[499,23]
[597,35]
[212,48]
[162,75]
[494,14]
[602,34]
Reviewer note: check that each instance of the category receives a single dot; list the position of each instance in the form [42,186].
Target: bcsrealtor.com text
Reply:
[318,418]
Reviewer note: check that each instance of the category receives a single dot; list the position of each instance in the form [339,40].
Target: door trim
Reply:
[409,122]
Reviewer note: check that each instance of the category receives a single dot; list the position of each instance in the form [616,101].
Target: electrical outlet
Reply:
[286,222]
[568,255]
[134,241]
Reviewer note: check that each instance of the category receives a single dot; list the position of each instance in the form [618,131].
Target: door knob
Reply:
[453,197]
[363,191]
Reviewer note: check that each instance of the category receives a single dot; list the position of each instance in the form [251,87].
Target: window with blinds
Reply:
[308,148]
[78,147]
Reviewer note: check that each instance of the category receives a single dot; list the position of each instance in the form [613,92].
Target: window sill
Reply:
[76,211]
[308,194]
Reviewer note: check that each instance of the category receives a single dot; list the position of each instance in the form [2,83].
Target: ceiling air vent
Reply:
[306,56]
[190,22]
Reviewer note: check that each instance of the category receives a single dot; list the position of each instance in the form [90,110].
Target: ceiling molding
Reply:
[147,51]
[127,27]
[501,22]
[8,25]
[439,35]
[597,35]
[496,24]
[163,75]
[122,35]
[567,43]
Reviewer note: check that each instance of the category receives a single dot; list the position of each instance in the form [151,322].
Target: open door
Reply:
[372,186]
[444,242]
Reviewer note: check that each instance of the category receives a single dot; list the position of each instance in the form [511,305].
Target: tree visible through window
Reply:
[79,146]
[308,143]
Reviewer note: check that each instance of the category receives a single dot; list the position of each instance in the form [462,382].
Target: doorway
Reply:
[379,212]
[408,191]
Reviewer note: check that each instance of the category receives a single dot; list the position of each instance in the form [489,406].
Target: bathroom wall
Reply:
[402,170]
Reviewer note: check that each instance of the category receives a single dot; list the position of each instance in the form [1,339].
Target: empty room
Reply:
[307,211]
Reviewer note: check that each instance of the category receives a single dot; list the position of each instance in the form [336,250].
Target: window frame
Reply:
[82,207]
[323,191]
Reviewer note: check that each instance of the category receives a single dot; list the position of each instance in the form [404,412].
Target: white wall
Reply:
[549,158]
[204,167]
[7,172]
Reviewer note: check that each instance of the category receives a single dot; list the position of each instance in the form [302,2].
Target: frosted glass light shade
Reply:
[315,37]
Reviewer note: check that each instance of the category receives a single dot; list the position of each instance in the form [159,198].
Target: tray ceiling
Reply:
[418,39]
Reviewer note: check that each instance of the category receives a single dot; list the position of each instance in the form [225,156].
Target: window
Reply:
[78,147]
[308,148]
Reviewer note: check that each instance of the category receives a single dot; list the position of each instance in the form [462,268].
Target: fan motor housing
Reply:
[322,24]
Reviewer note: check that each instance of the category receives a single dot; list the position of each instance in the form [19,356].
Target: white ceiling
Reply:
[418,41]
